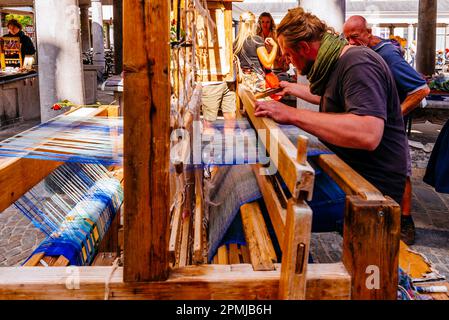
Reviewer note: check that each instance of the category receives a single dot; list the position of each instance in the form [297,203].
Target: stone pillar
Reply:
[59,47]
[391,28]
[108,35]
[446,38]
[410,34]
[331,11]
[426,43]
[97,33]
[118,36]
[85,28]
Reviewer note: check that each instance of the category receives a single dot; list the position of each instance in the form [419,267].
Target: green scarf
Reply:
[328,55]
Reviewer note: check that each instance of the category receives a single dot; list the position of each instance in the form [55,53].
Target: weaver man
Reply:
[360,114]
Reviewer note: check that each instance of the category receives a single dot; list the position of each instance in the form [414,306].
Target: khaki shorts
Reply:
[216,96]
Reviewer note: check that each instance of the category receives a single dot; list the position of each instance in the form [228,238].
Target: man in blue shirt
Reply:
[412,89]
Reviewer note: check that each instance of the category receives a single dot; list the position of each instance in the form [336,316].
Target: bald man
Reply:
[412,89]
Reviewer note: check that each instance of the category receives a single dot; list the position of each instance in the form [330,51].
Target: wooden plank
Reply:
[234,257]
[146,139]
[34,260]
[245,254]
[184,252]
[256,235]
[198,243]
[347,178]
[298,178]
[223,255]
[104,259]
[295,253]
[61,262]
[371,247]
[324,281]
[175,232]
[276,212]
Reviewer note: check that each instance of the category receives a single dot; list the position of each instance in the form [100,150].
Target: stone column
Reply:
[97,33]
[108,35]
[59,47]
[331,11]
[410,34]
[446,38]
[118,36]
[391,28]
[426,43]
[85,28]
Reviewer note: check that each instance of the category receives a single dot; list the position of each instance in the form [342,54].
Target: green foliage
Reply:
[24,20]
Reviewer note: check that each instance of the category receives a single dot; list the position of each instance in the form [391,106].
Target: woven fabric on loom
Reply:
[75,212]
[230,188]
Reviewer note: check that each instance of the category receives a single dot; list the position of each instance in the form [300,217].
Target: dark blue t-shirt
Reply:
[407,79]
[362,84]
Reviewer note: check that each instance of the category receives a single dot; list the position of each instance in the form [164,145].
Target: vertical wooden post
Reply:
[295,251]
[371,247]
[426,43]
[118,36]
[146,139]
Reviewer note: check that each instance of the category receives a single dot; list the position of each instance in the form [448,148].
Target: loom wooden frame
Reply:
[146,273]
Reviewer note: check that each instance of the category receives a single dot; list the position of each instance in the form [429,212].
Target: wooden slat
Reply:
[245,254]
[347,178]
[223,255]
[234,257]
[104,259]
[256,235]
[184,252]
[146,139]
[371,247]
[276,212]
[175,232]
[198,243]
[298,178]
[324,281]
[34,260]
[295,253]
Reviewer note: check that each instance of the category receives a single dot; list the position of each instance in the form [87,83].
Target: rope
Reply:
[115,265]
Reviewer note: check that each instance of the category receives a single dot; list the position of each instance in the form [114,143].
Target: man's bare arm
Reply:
[344,130]
[299,90]
[413,100]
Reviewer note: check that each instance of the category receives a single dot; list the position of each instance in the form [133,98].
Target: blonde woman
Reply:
[266,28]
[250,48]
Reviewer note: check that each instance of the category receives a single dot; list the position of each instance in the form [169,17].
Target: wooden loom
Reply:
[147,273]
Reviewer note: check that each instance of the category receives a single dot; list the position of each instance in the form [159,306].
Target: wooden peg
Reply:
[302,149]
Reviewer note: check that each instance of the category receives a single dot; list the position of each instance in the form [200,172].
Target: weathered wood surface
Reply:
[371,247]
[295,253]
[275,210]
[146,139]
[324,281]
[259,243]
[347,178]
[299,178]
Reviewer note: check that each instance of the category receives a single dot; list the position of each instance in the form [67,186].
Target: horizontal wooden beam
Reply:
[347,178]
[324,281]
[299,178]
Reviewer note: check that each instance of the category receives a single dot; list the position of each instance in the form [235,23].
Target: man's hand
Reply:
[286,88]
[275,110]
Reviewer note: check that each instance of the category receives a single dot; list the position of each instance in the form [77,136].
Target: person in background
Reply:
[15,30]
[266,28]
[412,89]
[251,52]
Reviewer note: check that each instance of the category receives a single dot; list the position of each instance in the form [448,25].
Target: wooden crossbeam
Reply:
[347,178]
[299,178]
[324,281]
